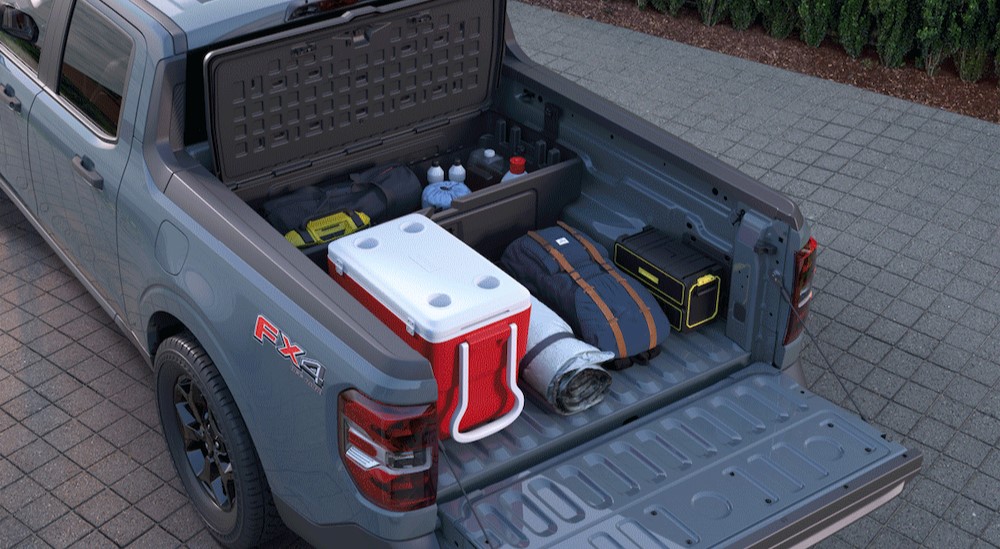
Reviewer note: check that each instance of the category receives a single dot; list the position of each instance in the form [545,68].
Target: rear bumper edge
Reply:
[807,526]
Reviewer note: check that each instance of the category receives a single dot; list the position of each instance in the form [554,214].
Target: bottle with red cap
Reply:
[516,169]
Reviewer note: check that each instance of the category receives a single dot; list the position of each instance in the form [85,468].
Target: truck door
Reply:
[80,136]
[19,59]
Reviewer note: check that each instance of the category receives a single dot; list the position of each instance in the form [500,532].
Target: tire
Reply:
[211,448]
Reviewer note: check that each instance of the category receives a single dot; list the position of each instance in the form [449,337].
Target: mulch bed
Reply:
[945,91]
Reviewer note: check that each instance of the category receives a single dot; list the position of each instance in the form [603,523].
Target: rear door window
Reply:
[28,52]
[95,68]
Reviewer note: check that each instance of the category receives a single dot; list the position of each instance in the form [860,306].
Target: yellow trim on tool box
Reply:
[703,281]
[686,312]
[655,291]
[653,278]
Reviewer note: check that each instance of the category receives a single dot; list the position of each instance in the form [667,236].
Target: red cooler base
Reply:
[489,396]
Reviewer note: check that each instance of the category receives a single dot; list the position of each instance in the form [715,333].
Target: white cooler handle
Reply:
[488,429]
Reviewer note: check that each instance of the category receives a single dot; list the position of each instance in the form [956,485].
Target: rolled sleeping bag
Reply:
[559,368]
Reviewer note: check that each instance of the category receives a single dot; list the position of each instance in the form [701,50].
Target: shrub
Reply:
[816,17]
[894,30]
[971,64]
[938,33]
[855,27]
[996,48]
[712,11]
[978,19]
[742,13]
[660,5]
[778,16]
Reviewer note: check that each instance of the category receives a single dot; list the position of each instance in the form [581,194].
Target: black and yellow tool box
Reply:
[686,283]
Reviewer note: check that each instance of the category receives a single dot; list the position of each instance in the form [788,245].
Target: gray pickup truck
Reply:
[141,137]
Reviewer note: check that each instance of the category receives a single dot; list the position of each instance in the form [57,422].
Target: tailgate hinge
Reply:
[765,244]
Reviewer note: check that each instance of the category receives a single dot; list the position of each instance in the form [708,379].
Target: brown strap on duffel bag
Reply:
[587,288]
[596,256]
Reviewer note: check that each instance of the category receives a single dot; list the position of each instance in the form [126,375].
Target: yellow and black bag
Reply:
[328,228]
[687,283]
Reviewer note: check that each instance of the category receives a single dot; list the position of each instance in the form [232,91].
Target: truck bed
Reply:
[739,464]
[687,363]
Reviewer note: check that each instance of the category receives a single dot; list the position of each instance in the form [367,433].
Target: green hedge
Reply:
[926,32]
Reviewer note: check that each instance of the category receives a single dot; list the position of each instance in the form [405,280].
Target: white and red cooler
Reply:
[468,317]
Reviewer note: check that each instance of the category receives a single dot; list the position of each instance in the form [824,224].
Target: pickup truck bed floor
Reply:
[730,466]
[687,363]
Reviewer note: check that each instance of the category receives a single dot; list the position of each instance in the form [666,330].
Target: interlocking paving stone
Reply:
[126,526]
[970,516]
[94,539]
[45,420]
[12,531]
[89,451]
[41,512]
[183,523]
[55,472]
[78,489]
[14,438]
[68,435]
[113,467]
[8,472]
[161,504]
[102,507]
[78,401]
[137,485]
[155,538]
[12,388]
[65,530]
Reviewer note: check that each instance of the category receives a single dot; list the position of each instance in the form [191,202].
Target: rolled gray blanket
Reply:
[561,369]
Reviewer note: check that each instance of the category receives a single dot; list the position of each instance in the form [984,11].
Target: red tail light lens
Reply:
[390,451]
[805,267]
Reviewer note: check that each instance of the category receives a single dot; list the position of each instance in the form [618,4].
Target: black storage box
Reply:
[685,282]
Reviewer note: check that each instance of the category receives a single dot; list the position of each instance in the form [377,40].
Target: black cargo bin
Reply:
[685,282]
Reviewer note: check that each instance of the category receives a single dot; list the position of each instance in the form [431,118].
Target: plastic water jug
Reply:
[488,163]
[516,169]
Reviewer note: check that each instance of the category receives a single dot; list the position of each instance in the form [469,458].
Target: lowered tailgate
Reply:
[751,461]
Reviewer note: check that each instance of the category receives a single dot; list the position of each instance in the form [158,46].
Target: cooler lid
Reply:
[281,101]
[427,277]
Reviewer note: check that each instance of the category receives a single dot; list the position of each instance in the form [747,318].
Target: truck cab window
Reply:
[95,67]
[15,11]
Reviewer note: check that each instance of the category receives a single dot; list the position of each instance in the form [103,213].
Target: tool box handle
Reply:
[497,425]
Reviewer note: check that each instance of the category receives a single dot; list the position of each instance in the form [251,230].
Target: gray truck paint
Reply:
[190,253]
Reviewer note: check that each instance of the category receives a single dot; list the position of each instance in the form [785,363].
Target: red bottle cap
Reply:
[517,164]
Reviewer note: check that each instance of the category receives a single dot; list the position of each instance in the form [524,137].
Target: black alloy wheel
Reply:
[204,444]
[210,447]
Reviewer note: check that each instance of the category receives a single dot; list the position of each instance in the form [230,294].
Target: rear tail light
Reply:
[390,451]
[805,267]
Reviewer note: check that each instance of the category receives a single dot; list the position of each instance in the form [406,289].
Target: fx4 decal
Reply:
[265,329]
